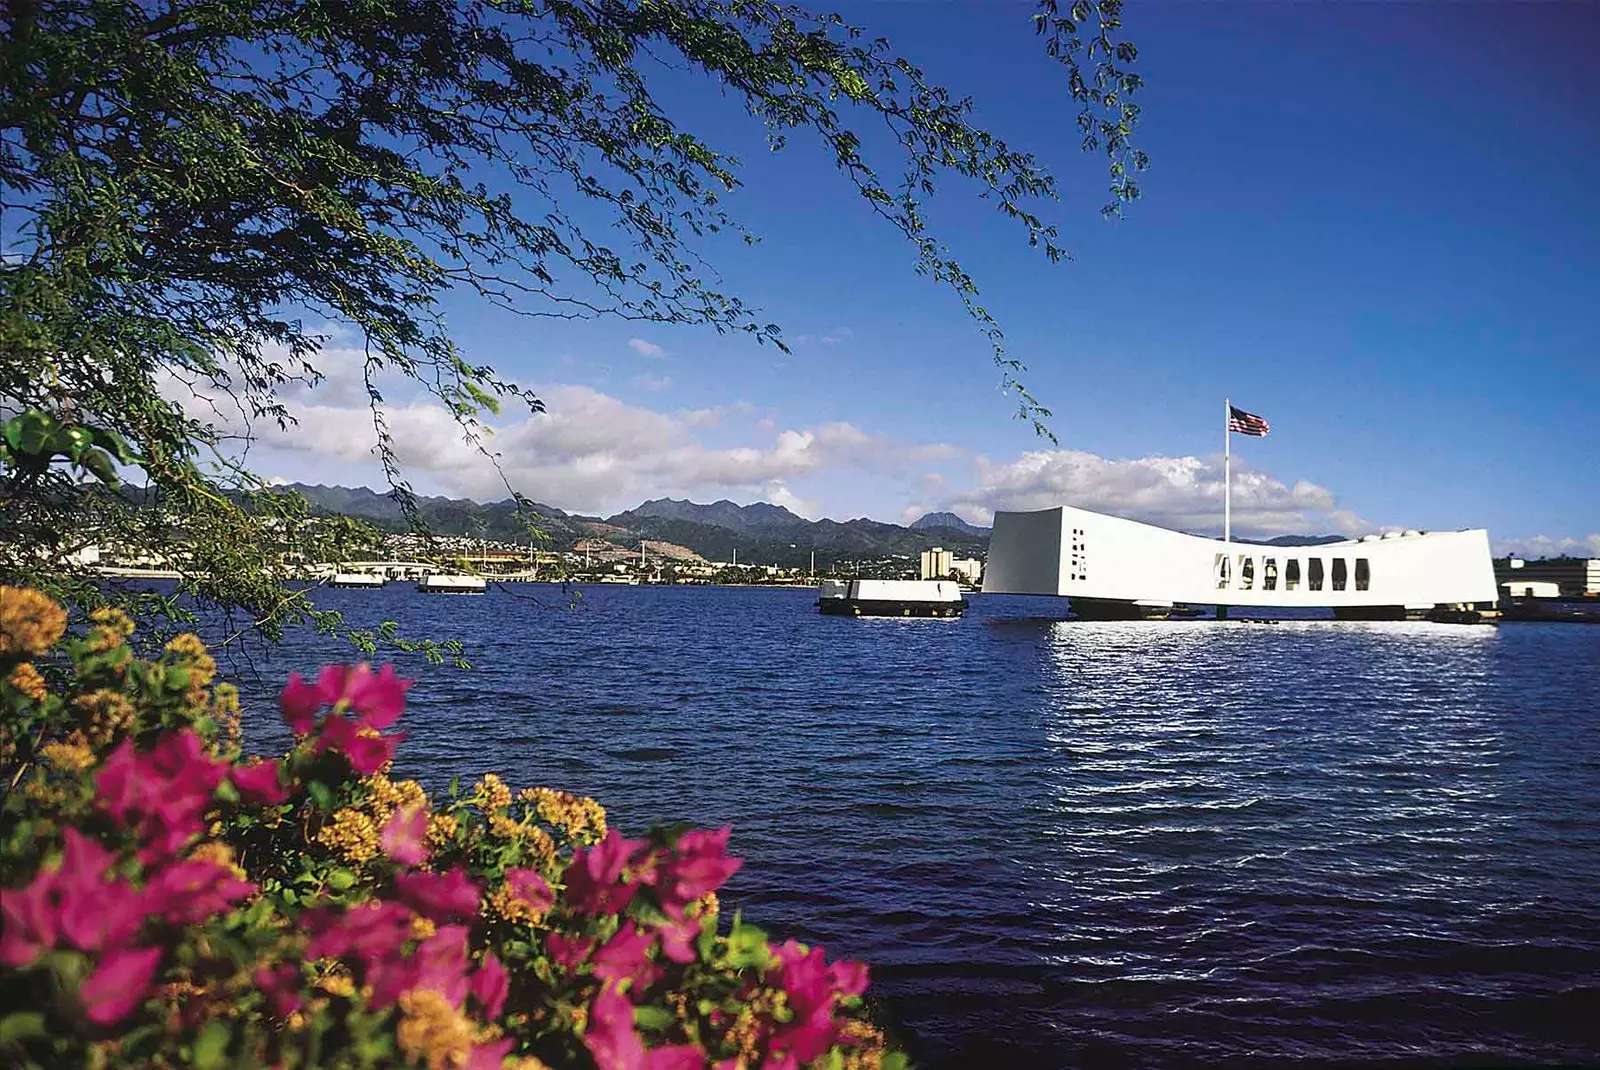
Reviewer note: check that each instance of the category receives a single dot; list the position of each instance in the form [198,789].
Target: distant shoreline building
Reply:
[1573,577]
[941,564]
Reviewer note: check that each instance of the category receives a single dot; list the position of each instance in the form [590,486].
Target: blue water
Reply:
[1075,844]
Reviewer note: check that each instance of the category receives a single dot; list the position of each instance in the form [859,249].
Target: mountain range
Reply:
[762,532]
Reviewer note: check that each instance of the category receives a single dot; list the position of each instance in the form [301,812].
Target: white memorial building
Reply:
[1112,567]
[1115,568]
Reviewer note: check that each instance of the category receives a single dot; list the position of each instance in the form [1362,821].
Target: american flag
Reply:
[1246,423]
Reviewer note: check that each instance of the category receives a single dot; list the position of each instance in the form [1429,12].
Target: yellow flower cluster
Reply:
[352,834]
[337,984]
[189,651]
[113,627]
[26,679]
[864,1048]
[41,791]
[72,756]
[492,794]
[30,622]
[422,928]
[106,714]
[218,854]
[750,1027]
[385,796]
[431,1030]
[114,620]
[576,816]
[442,829]
[504,903]
[225,710]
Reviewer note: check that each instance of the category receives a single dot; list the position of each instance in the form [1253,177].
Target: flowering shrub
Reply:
[168,901]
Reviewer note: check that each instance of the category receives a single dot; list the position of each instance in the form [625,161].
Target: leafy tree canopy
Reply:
[187,183]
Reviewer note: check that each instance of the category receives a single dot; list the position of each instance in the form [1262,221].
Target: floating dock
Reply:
[891,598]
[443,584]
[357,579]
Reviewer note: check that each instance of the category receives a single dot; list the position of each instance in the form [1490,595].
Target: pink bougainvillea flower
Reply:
[93,913]
[187,892]
[676,1057]
[372,930]
[283,987]
[441,962]
[678,939]
[489,986]
[626,957]
[610,1036]
[30,916]
[119,984]
[848,977]
[592,877]
[164,792]
[378,698]
[300,702]
[528,886]
[405,834]
[438,896]
[261,783]
[804,977]
[117,784]
[488,1056]
[568,953]
[699,864]
[366,751]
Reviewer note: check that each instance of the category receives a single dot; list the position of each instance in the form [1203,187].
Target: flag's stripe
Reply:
[1246,423]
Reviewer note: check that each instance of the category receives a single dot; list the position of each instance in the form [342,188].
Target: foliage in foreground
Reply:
[170,901]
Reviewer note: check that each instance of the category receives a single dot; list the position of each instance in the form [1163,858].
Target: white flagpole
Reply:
[1227,471]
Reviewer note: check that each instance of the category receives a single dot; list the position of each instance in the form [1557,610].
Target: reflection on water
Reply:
[1073,843]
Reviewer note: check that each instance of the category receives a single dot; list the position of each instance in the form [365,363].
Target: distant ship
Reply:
[1113,568]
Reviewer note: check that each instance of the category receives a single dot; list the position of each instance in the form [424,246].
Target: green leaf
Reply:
[895,1060]
[23,1025]
[33,428]
[341,879]
[211,1047]
[98,462]
[320,794]
[652,1017]
[747,945]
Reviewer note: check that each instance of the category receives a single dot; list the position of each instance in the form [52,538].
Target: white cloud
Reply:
[1184,493]
[778,494]
[1545,546]
[651,382]
[646,349]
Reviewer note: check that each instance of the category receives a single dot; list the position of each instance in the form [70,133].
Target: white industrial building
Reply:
[1114,567]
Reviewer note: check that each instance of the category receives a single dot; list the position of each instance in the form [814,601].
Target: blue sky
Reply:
[1374,224]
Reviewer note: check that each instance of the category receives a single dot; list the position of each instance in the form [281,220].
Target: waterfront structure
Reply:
[357,579]
[1531,589]
[1574,577]
[1113,567]
[891,598]
[444,583]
